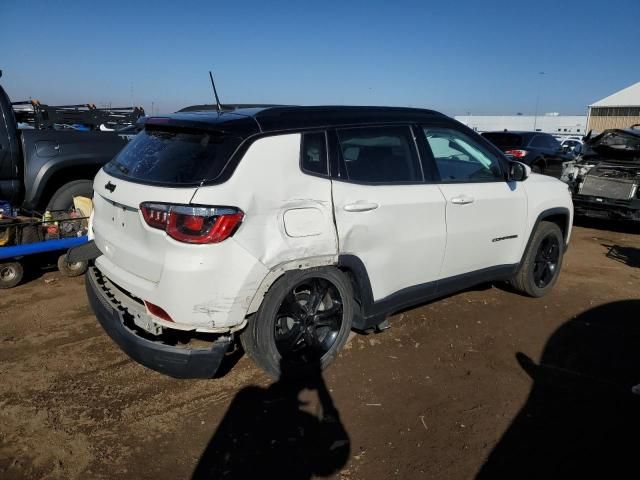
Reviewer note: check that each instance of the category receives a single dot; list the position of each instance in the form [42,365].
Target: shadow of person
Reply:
[272,433]
[581,419]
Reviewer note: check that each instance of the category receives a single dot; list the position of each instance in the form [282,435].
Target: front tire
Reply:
[302,323]
[542,261]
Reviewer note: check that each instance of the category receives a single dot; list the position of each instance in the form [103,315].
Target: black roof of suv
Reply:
[247,121]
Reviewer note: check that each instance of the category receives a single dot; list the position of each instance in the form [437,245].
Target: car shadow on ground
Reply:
[271,433]
[582,417]
[628,255]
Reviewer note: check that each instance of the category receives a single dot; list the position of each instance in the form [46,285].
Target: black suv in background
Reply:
[541,151]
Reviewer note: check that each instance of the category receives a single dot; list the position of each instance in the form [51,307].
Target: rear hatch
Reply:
[164,164]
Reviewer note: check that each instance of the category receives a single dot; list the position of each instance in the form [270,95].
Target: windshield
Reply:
[173,156]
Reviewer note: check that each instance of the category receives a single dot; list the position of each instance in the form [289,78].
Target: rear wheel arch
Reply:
[62,199]
[357,272]
[276,273]
[54,180]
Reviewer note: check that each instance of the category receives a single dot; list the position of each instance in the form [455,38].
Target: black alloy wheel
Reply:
[541,263]
[546,261]
[303,322]
[308,321]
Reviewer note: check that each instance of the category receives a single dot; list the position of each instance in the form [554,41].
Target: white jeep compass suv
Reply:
[290,226]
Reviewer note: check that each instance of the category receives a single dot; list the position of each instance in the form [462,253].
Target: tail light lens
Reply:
[517,153]
[192,224]
[158,312]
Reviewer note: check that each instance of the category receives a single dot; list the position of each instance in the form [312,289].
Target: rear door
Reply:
[386,215]
[486,215]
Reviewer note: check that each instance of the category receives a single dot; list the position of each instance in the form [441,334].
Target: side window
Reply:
[539,141]
[459,158]
[380,155]
[313,153]
[552,143]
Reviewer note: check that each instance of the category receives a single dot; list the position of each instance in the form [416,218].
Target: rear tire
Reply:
[11,274]
[63,198]
[71,269]
[542,261]
[303,322]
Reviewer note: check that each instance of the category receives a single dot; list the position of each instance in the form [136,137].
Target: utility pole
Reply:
[535,118]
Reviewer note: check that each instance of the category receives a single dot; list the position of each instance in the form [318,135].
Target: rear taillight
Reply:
[517,153]
[155,214]
[192,224]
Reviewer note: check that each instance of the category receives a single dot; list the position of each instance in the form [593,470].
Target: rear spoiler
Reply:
[222,124]
[144,122]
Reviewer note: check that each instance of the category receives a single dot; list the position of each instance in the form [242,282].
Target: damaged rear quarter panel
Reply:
[288,214]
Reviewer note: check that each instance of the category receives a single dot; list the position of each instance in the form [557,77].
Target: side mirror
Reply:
[577,149]
[518,171]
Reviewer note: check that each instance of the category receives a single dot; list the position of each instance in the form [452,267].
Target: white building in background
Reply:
[553,123]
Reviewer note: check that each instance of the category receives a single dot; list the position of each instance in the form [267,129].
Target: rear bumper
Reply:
[173,361]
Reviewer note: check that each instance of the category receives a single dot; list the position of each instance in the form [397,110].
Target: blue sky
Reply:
[459,56]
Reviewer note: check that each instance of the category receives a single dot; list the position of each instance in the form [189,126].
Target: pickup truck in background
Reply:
[45,168]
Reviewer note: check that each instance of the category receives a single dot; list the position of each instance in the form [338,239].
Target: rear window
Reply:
[173,156]
[504,141]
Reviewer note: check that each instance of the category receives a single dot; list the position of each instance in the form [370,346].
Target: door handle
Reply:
[360,207]
[462,200]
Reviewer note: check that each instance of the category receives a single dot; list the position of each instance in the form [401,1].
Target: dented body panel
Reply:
[289,217]
[406,236]
[605,179]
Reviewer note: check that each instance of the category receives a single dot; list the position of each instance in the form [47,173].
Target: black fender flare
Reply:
[46,172]
[550,212]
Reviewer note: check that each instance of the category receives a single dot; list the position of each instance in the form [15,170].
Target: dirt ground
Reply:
[484,383]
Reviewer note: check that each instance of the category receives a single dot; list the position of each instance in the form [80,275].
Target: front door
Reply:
[486,215]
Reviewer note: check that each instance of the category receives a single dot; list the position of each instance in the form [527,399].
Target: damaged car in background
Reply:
[604,178]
